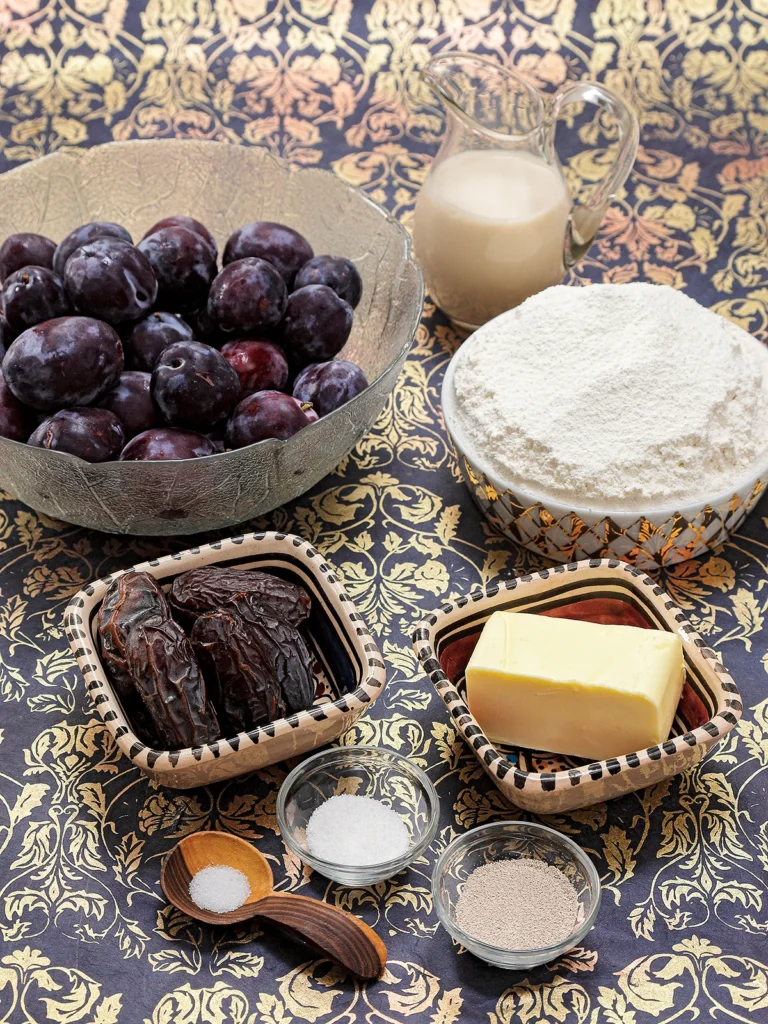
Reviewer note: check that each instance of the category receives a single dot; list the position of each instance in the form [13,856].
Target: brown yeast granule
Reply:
[518,904]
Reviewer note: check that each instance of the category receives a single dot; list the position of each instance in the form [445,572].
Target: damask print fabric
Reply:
[85,934]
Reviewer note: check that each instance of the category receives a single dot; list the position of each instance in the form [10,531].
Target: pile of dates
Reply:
[221,653]
[112,350]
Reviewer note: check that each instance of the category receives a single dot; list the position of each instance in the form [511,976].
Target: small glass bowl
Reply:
[510,840]
[364,771]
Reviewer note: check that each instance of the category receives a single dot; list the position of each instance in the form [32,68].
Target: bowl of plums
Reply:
[193,333]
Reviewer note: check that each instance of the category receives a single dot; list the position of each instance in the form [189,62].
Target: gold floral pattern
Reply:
[85,936]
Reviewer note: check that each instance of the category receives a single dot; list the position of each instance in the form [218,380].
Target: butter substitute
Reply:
[574,687]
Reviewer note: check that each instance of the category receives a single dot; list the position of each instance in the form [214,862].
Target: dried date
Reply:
[242,681]
[285,650]
[162,663]
[210,587]
[131,600]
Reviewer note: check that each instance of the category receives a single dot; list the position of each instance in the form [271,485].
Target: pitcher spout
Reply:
[487,97]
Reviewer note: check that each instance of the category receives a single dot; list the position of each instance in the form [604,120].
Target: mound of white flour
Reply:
[614,396]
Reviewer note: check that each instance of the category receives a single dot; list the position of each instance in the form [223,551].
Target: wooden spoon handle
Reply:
[338,935]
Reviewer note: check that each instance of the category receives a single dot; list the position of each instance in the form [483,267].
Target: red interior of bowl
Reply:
[604,610]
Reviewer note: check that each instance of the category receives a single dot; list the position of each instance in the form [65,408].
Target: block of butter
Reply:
[574,687]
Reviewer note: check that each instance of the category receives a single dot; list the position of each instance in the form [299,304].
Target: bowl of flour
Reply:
[612,420]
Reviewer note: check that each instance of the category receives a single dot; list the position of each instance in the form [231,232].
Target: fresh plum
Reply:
[111,280]
[146,340]
[184,265]
[131,401]
[69,361]
[260,364]
[164,443]
[307,409]
[95,435]
[32,295]
[204,329]
[17,421]
[280,245]
[85,233]
[245,296]
[6,337]
[25,249]
[316,325]
[338,273]
[193,385]
[184,222]
[265,414]
[329,385]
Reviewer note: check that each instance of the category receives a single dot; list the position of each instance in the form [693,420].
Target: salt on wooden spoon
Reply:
[340,936]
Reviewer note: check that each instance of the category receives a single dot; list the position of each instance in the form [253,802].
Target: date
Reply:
[242,680]
[284,648]
[130,601]
[162,663]
[210,587]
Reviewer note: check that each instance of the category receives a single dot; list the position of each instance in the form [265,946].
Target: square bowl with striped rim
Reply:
[349,670]
[604,590]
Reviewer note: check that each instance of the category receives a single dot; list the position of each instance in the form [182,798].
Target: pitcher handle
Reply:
[585,219]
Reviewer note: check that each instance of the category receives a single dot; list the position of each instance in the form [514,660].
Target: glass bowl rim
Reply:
[399,762]
[486,950]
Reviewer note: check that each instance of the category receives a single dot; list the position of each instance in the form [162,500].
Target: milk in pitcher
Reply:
[489,230]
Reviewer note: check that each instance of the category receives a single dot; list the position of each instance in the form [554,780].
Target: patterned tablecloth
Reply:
[85,934]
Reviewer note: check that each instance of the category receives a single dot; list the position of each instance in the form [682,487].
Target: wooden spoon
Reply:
[338,935]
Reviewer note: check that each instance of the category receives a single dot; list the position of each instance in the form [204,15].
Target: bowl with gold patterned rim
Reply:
[348,669]
[649,538]
[604,590]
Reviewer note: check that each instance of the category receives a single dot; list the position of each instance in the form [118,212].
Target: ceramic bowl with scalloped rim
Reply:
[604,590]
[349,671]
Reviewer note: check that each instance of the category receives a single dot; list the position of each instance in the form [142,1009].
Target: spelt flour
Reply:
[614,396]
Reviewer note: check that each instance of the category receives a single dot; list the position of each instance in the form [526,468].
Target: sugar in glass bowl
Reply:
[504,841]
[363,771]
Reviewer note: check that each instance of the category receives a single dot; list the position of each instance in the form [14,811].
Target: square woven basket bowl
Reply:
[598,590]
[349,671]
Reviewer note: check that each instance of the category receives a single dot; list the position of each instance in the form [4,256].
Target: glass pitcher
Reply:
[494,222]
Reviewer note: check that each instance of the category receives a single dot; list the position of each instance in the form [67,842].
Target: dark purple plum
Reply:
[25,249]
[69,361]
[194,386]
[307,409]
[6,337]
[111,280]
[260,364]
[204,329]
[164,443]
[280,245]
[145,340]
[184,222]
[338,273]
[329,385]
[265,414]
[245,296]
[32,295]
[316,325]
[131,401]
[95,435]
[218,436]
[184,265]
[85,233]
[17,421]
